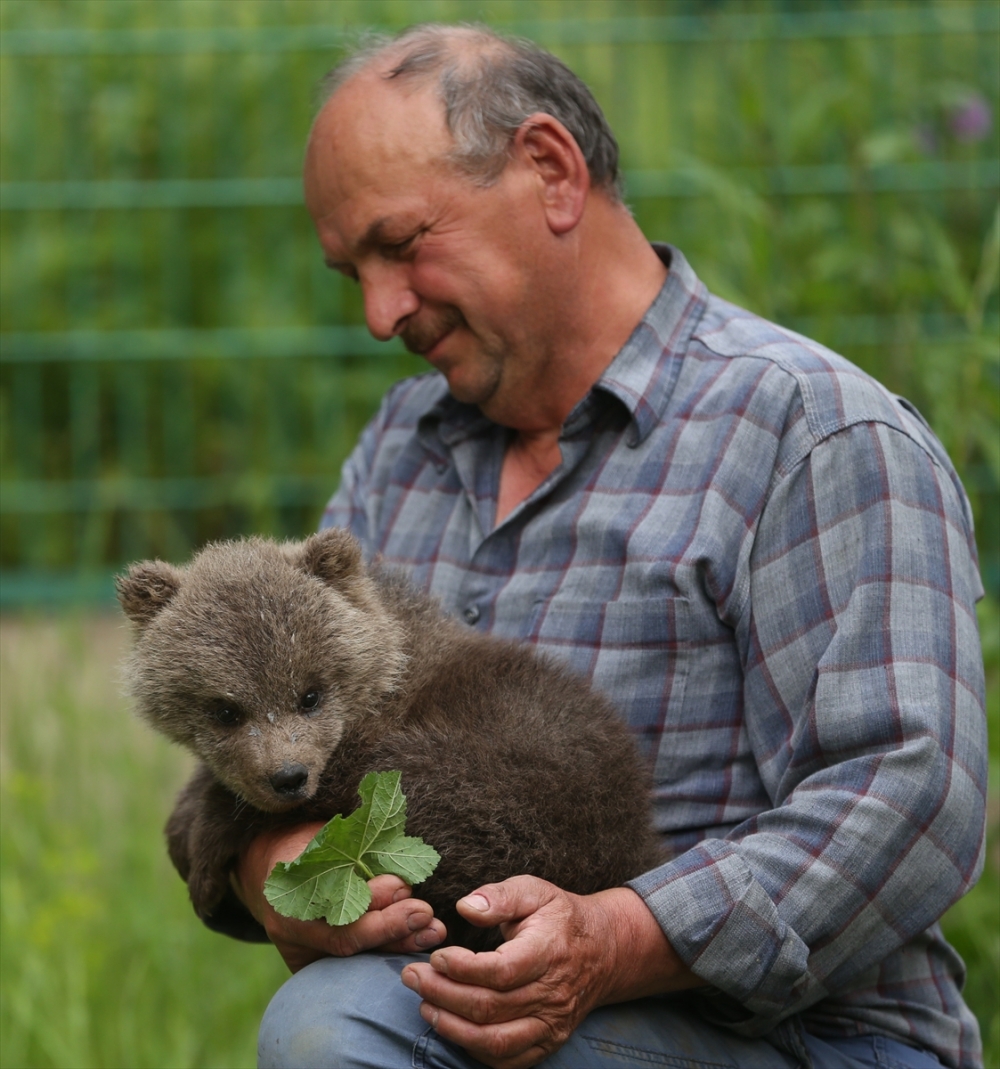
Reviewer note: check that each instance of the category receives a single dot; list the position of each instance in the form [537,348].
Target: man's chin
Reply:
[470,392]
[473,376]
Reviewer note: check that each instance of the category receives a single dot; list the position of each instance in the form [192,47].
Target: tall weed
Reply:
[103,962]
[895,270]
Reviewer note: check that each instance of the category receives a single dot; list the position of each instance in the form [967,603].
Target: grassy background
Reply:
[102,962]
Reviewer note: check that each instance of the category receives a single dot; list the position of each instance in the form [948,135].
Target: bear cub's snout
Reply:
[289,781]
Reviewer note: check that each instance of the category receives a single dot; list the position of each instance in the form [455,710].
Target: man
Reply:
[760,555]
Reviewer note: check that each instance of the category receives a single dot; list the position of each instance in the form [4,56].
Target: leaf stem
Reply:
[369,875]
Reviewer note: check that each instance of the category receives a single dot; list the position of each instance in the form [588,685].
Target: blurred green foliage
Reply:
[176,365]
[103,962]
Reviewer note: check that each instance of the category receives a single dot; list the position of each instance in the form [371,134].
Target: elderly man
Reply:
[764,558]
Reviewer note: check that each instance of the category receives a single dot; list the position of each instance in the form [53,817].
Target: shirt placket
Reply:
[493,549]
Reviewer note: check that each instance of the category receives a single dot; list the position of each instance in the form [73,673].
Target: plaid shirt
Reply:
[767,562]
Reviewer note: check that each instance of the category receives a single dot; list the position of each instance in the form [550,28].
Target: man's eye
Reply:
[400,248]
[227,713]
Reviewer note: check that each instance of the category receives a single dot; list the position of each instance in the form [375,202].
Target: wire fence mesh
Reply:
[176,364]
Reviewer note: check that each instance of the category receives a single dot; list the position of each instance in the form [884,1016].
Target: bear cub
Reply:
[292,670]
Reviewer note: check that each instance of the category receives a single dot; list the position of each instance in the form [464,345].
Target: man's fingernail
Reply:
[403,892]
[416,921]
[477,902]
[411,980]
[427,938]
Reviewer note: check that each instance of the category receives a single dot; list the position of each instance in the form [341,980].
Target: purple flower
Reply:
[971,120]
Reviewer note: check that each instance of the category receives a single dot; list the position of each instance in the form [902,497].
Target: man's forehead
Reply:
[374,134]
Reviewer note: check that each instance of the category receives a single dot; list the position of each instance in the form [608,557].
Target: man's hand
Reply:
[395,921]
[565,955]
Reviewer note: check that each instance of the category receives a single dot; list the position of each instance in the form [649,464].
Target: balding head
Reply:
[487,85]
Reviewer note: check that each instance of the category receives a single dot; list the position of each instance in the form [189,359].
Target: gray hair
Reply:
[489,84]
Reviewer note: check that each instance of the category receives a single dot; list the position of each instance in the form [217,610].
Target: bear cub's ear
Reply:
[332,555]
[145,588]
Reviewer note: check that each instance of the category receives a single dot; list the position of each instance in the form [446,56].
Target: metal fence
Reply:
[175,363]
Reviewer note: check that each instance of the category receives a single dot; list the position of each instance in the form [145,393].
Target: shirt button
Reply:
[471,614]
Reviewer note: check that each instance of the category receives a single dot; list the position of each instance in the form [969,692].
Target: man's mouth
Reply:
[424,338]
[428,354]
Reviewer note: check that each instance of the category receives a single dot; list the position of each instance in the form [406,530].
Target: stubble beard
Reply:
[419,336]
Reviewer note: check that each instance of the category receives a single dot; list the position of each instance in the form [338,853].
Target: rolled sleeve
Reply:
[864,705]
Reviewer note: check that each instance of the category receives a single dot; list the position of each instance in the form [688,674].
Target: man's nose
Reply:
[389,301]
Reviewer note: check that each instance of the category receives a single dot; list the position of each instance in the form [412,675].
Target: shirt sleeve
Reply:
[864,705]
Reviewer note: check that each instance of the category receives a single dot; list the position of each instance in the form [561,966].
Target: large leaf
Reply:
[329,878]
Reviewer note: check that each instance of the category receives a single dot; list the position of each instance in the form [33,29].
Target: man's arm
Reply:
[863,698]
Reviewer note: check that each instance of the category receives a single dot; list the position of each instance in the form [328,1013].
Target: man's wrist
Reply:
[643,962]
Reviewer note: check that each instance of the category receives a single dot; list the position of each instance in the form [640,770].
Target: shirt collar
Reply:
[641,376]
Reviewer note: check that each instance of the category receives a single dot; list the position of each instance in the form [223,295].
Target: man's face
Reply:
[452,268]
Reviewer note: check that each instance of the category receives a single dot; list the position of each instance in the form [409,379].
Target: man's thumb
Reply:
[511,900]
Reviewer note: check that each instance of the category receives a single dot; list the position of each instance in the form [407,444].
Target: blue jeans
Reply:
[354,1013]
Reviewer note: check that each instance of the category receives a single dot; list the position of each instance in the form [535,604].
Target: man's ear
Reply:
[332,555]
[145,588]
[552,152]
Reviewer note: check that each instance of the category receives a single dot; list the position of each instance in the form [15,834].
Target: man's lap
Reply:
[350,1013]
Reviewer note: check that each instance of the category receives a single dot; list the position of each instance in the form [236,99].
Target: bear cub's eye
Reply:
[310,700]
[227,713]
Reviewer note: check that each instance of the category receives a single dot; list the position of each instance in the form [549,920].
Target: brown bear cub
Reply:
[293,670]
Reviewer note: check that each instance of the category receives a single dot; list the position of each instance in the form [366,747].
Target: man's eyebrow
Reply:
[376,234]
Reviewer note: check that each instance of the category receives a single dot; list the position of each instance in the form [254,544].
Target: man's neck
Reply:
[528,461]
[610,294]
[603,283]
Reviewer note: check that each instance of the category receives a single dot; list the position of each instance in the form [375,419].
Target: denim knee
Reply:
[348,1013]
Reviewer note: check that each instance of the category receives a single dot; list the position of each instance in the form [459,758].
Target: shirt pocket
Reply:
[636,651]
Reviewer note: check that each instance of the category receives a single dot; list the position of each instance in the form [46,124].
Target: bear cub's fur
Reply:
[293,670]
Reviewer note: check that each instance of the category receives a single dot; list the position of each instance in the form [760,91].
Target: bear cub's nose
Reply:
[289,779]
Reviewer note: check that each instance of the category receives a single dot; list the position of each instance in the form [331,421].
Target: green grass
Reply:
[103,963]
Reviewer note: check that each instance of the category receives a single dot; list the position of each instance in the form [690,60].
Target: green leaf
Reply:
[329,878]
[408,857]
